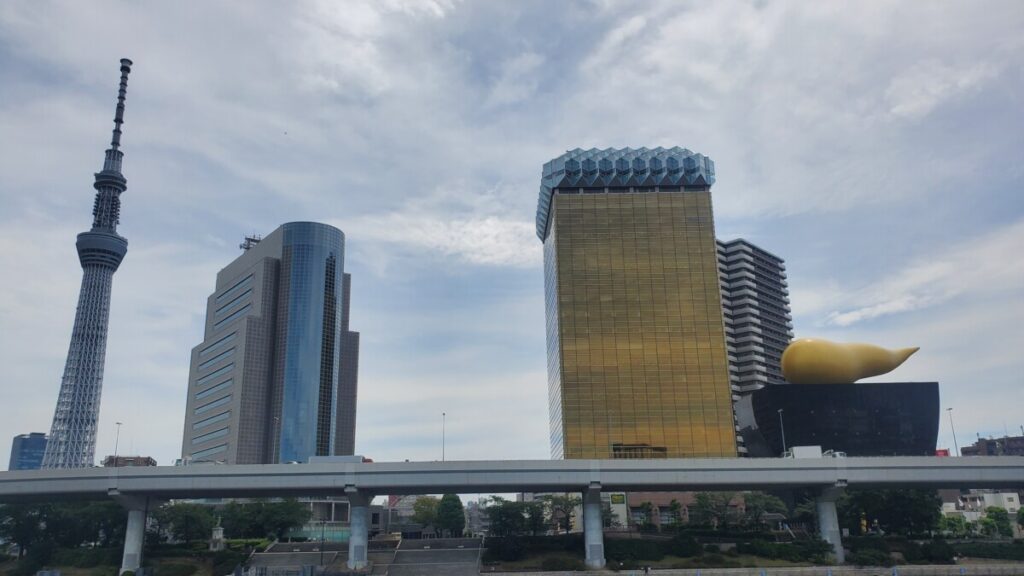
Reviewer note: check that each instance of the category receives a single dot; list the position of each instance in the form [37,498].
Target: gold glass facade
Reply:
[636,343]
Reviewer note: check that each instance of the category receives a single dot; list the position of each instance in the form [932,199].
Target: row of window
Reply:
[234,301]
[215,374]
[227,353]
[217,345]
[210,436]
[218,388]
[210,451]
[212,420]
[234,316]
[215,404]
[237,287]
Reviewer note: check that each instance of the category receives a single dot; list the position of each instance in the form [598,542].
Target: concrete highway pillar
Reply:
[828,522]
[593,527]
[359,527]
[135,532]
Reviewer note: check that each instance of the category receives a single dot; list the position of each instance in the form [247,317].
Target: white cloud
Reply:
[990,264]
[926,85]
[518,80]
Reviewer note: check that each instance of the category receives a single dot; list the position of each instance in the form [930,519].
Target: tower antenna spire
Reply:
[113,158]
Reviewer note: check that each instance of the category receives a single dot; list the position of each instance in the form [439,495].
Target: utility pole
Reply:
[442,435]
[782,428]
[956,448]
[117,440]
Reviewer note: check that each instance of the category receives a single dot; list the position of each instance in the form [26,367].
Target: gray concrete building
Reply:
[755,305]
[275,377]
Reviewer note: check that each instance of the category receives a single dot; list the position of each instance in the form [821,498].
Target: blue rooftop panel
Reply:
[619,168]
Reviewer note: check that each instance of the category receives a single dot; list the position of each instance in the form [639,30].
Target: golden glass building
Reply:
[637,363]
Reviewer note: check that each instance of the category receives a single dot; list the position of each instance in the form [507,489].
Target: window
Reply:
[215,374]
[218,388]
[210,451]
[212,405]
[210,436]
[216,359]
[241,284]
[233,316]
[224,309]
[213,347]
[211,420]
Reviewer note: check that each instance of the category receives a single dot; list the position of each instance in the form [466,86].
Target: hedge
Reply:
[1013,551]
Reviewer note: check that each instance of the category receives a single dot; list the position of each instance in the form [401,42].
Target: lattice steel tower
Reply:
[100,250]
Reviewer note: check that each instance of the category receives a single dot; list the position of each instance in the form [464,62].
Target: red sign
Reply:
[942,451]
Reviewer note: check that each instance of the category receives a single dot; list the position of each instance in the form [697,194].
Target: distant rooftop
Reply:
[621,168]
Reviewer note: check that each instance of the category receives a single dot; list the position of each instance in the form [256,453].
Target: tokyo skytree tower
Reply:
[100,250]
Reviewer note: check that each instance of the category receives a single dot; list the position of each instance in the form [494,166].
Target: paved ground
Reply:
[437,557]
[283,559]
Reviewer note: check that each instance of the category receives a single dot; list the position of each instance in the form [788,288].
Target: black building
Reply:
[867,419]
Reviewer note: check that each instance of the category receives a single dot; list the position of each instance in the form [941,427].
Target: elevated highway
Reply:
[140,488]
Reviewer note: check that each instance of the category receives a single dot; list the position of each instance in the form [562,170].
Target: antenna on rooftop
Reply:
[250,241]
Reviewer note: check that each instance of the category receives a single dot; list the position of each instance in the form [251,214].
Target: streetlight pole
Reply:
[956,448]
[117,440]
[782,428]
[443,415]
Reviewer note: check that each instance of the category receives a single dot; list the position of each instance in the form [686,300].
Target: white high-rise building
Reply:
[755,303]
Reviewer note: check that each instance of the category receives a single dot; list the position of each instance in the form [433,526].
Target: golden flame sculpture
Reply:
[816,361]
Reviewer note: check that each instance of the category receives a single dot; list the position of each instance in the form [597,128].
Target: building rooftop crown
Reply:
[621,168]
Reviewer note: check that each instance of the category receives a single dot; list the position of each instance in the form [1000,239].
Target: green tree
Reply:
[507,518]
[955,526]
[907,511]
[280,517]
[712,509]
[560,509]
[535,517]
[451,517]
[23,525]
[263,518]
[243,520]
[187,522]
[424,511]
[1000,521]
[1020,518]
[757,504]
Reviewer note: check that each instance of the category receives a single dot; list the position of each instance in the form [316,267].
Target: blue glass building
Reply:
[274,379]
[27,451]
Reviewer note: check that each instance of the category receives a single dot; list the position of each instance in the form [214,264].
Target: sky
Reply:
[877,146]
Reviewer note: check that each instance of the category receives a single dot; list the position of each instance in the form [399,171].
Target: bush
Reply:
[717,561]
[556,563]
[815,551]
[996,551]
[622,550]
[938,552]
[712,548]
[502,550]
[87,557]
[857,543]
[175,569]
[224,561]
[683,546]
[869,557]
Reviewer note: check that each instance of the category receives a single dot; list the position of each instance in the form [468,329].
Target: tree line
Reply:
[102,524]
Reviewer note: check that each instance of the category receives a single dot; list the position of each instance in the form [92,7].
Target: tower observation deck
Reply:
[100,251]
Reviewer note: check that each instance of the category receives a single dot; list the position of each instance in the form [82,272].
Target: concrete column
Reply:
[593,527]
[828,522]
[359,527]
[135,532]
